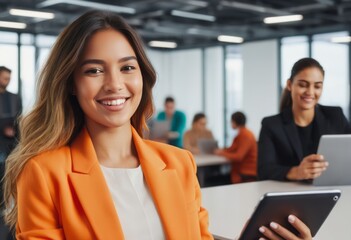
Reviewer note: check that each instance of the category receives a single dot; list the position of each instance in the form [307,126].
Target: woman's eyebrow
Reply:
[125,59]
[99,61]
[92,61]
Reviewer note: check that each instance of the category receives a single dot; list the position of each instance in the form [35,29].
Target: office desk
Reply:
[204,162]
[209,159]
[230,206]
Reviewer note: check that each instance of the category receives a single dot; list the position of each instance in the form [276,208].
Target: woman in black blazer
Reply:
[288,141]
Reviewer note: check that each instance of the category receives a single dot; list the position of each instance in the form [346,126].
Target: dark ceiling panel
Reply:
[154,21]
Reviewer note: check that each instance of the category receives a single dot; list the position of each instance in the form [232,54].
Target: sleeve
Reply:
[345,123]
[179,126]
[37,215]
[161,116]
[268,166]
[203,214]
[238,150]
[186,142]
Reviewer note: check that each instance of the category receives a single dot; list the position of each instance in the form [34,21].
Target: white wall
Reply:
[179,74]
[260,89]
[214,101]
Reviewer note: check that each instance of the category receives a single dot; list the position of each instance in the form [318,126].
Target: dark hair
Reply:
[239,118]
[4,69]
[300,65]
[198,116]
[169,100]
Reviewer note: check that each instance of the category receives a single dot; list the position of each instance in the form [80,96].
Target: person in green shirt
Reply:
[177,121]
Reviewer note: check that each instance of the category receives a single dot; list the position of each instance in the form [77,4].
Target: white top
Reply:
[133,202]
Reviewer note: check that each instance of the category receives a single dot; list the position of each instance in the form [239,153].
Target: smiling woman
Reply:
[288,141]
[108,83]
[81,169]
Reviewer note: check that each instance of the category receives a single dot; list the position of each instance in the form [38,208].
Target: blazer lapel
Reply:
[92,192]
[291,132]
[165,189]
[321,123]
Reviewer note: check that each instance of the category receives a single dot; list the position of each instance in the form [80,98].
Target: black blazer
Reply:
[279,146]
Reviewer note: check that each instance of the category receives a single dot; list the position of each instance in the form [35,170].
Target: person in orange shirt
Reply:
[82,169]
[242,152]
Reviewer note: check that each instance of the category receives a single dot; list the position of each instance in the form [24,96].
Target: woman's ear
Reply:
[288,84]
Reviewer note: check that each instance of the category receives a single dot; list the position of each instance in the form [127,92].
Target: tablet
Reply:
[207,145]
[336,150]
[312,207]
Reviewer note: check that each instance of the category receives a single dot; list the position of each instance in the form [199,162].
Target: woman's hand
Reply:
[312,166]
[9,132]
[218,151]
[277,232]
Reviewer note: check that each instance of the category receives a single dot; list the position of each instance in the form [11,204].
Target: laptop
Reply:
[336,149]
[207,146]
[159,129]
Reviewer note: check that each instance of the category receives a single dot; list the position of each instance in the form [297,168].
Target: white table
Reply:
[230,206]
[209,159]
[206,160]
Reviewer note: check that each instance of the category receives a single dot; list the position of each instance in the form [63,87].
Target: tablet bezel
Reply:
[312,207]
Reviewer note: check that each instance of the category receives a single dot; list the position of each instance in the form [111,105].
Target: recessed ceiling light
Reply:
[29,13]
[192,15]
[163,44]
[283,19]
[17,25]
[230,39]
[96,5]
[344,39]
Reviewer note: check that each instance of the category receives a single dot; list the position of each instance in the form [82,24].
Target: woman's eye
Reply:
[93,71]
[127,68]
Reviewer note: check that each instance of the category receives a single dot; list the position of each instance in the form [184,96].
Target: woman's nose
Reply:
[113,82]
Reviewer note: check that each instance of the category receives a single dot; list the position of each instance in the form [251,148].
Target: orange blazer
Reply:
[62,194]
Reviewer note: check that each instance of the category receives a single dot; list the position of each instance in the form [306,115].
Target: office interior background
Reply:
[202,73]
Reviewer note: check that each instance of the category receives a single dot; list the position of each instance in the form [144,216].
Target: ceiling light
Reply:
[230,39]
[198,3]
[96,5]
[193,15]
[34,14]
[282,19]
[162,44]
[17,25]
[344,39]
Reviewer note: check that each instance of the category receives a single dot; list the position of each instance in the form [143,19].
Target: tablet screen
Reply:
[312,207]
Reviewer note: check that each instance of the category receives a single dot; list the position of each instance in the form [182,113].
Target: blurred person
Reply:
[198,131]
[288,141]
[243,151]
[177,120]
[10,109]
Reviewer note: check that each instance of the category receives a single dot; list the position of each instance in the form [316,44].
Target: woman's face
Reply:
[306,88]
[108,82]
[200,124]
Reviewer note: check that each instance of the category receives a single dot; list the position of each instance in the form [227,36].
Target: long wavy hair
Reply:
[56,117]
[299,66]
